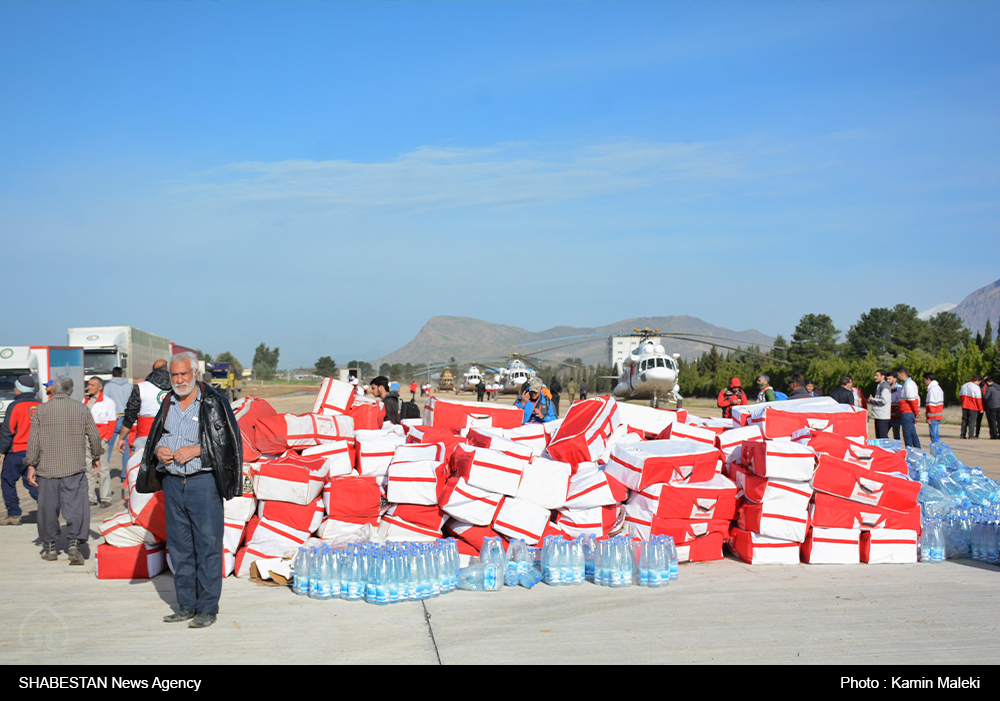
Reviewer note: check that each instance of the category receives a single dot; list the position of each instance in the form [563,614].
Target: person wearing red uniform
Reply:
[105,413]
[909,408]
[730,397]
[972,407]
[14,444]
[934,405]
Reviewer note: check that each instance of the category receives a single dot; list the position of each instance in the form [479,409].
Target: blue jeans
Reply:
[14,469]
[194,516]
[935,429]
[114,440]
[909,425]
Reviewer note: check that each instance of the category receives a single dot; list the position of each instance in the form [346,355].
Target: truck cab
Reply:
[43,363]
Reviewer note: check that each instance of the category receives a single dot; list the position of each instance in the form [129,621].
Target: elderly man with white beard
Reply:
[195,454]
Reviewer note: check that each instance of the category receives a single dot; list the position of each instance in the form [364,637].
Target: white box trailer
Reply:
[107,347]
[43,363]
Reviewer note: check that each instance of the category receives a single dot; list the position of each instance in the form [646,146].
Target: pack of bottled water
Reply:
[378,574]
[619,561]
[959,505]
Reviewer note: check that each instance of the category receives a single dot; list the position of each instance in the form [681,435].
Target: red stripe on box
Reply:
[496,467]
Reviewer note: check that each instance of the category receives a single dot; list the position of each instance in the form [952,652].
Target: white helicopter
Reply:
[470,379]
[648,372]
[513,377]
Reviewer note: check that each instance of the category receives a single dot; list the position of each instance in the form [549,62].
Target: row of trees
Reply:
[884,339]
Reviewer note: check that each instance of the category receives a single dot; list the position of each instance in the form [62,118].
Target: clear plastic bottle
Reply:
[300,584]
[481,577]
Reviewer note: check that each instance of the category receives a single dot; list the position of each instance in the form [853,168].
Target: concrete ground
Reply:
[716,612]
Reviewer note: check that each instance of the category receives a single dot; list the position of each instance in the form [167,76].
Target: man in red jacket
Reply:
[730,397]
[972,407]
[13,445]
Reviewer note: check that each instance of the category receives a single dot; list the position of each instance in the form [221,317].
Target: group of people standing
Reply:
[895,404]
[191,450]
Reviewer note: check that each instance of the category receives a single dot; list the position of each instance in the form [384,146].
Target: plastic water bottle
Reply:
[480,577]
[673,560]
[588,557]
[301,582]
[578,561]
[530,578]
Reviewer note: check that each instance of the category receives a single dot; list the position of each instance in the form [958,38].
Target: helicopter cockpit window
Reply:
[660,363]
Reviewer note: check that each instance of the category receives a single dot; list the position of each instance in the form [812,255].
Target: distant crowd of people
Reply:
[894,405]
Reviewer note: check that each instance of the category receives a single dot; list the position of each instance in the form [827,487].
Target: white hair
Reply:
[186,355]
[62,385]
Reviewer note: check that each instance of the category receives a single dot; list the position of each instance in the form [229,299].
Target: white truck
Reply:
[43,363]
[107,347]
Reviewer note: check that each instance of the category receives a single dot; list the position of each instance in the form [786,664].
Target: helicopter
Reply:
[648,372]
[470,379]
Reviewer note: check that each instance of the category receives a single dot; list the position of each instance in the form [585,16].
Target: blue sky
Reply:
[324,177]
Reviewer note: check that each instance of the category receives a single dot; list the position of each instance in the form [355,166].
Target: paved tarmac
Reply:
[717,612]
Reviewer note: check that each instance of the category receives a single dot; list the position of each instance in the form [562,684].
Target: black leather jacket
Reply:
[220,441]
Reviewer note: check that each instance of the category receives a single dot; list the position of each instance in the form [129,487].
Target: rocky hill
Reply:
[466,339]
[979,306]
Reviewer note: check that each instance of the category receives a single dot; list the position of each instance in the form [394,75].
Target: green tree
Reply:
[882,331]
[946,331]
[265,362]
[326,367]
[814,337]
[227,357]
[365,370]
[988,334]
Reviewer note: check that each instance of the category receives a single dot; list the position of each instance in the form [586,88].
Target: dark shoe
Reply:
[49,552]
[202,620]
[106,503]
[182,615]
[75,556]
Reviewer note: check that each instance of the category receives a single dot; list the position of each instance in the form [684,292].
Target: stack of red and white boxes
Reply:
[865,506]
[773,477]
[676,490]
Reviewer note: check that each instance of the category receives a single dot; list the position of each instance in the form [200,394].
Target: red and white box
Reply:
[598,521]
[775,520]
[137,562]
[338,457]
[591,487]
[545,483]
[415,482]
[247,411]
[488,469]
[701,550]
[585,431]
[521,519]
[352,499]
[290,478]
[868,456]
[644,419]
[120,532]
[781,459]
[531,436]
[700,434]
[448,413]
[832,546]
[684,531]
[844,479]
[475,506]
[300,517]
[394,529]
[487,438]
[335,397]
[414,452]
[705,501]
[828,511]
[469,533]
[768,490]
[733,439]
[638,465]
[276,434]
[375,454]
[430,518]
[367,416]
[275,538]
[757,549]
[331,529]
[889,546]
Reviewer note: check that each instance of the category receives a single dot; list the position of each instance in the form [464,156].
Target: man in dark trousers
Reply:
[14,444]
[991,403]
[556,390]
[480,390]
[195,455]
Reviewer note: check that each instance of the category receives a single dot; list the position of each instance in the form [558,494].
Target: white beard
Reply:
[183,390]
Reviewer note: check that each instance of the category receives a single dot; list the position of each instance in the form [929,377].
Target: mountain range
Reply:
[444,337]
[979,306]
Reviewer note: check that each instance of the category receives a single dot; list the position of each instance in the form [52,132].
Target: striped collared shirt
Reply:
[181,428]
